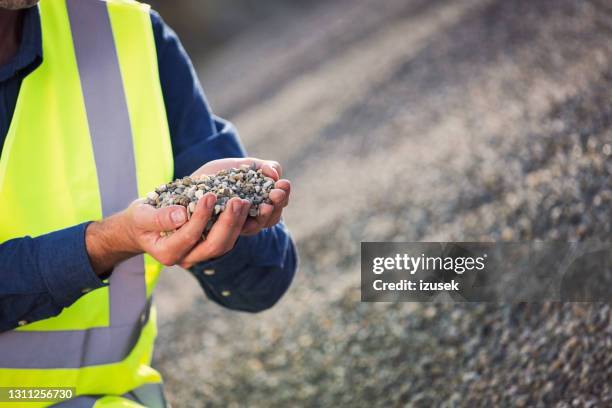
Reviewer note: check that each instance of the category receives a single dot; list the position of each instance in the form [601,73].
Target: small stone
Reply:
[246,182]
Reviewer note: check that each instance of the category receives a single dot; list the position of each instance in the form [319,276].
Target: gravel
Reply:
[246,182]
[431,121]
[429,355]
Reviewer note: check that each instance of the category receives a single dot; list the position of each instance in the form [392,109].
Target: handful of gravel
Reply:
[246,182]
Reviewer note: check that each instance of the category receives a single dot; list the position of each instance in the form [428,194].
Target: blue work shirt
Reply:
[40,276]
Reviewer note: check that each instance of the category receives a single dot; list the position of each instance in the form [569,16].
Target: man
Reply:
[99,104]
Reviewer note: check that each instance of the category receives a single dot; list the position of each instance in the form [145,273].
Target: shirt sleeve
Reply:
[258,270]
[43,275]
[254,275]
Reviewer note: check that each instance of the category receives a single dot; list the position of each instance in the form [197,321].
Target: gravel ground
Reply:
[428,120]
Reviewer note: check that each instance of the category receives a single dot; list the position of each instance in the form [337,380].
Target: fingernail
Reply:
[272,170]
[210,202]
[178,216]
[237,207]
[246,206]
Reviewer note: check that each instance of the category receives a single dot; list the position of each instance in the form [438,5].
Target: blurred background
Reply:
[404,120]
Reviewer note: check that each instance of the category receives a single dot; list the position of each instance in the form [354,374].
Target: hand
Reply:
[137,229]
[269,214]
[145,223]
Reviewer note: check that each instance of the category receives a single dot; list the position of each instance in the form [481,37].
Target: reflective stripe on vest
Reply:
[89,135]
[111,136]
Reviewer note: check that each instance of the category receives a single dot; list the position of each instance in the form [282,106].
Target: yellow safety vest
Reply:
[88,136]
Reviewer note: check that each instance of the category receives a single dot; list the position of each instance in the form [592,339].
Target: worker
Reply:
[99,104]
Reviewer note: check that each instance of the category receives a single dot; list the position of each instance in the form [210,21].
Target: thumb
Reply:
[149,218]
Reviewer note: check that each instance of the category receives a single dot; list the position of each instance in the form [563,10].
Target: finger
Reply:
[174,247]
[223,234]
[274,217]
[269,170]
[263,217]
[277,167]
[278,197]
[251,227]
[149,218]
[284,185]
[268,212]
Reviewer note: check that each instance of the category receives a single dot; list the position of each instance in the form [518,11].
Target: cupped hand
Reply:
[269,214]
[143,223]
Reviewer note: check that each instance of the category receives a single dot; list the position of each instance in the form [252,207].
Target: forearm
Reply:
[109,242]
[41,276]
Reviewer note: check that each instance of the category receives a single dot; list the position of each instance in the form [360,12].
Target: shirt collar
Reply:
[29,53]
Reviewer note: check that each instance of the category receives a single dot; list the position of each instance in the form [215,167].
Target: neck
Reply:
[10,34]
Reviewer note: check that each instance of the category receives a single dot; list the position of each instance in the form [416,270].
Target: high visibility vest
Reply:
[89,135]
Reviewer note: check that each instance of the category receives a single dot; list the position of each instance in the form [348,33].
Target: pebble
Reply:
[246,182]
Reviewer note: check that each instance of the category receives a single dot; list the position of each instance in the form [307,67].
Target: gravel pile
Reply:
[246,182]
[472,120]
[347,353]
[429,355]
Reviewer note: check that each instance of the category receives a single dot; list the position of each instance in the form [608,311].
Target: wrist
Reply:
[109,242]
[122,234]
